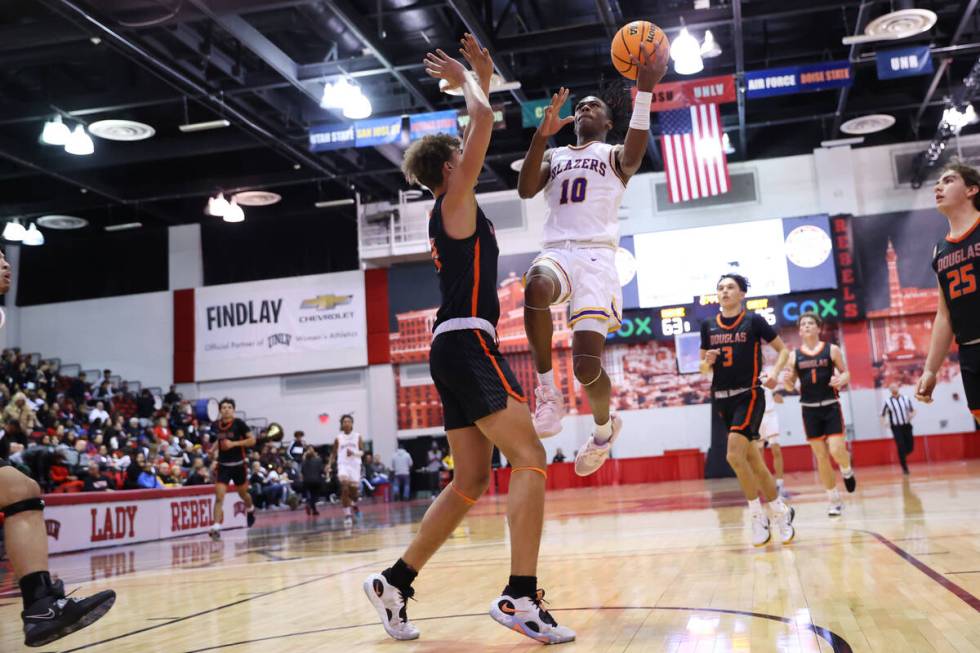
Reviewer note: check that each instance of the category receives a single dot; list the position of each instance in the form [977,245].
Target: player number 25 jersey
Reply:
[582,195]
[957,265]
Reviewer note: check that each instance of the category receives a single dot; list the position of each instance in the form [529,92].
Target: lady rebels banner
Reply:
[297,324]
[82,521]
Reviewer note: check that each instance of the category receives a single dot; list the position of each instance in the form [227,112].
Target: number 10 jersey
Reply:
[582,195]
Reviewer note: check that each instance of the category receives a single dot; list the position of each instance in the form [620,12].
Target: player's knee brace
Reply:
[588,368]
[26,505]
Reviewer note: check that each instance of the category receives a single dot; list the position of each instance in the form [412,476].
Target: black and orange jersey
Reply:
[740,341]
[467,269]
[235,430]
[815,371]
[957,265]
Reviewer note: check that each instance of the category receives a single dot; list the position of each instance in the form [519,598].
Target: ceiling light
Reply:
[959,118]
[686,53]
[326,204]
[33,236]
[710,47]
[217,205]
[338,94]
[234,213]
[55,132]
[121,130]
[869,124]
[895,25]
[79,143]
[187,128]
[123,227]
[62,222]
[358,107]
[842,142]
[256,198]
[14,231]
[497,84]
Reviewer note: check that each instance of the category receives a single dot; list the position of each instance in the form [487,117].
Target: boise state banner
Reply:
[297,324]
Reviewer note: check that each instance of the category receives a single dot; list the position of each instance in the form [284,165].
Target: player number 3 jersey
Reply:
[957,265]
[582,195]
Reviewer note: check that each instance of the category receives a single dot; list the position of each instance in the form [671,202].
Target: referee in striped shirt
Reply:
[899,412]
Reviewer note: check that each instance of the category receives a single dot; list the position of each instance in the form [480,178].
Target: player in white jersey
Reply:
[583,186]
[769,437]
[348,449]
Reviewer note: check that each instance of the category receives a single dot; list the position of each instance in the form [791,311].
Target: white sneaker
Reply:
[390,604]
[784,523]
[760,530]
[527,617]
[548,410]
[835,509]
[348,521]
[591,456]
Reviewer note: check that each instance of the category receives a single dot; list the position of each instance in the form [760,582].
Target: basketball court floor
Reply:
[665,567]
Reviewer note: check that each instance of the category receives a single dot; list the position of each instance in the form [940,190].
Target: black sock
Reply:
[34,586]
[519,586]
[400,575]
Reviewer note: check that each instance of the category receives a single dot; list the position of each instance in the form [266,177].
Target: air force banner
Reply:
[279,326]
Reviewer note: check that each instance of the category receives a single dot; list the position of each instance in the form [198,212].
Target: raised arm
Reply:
[537,162]
[482,65]
[651,66]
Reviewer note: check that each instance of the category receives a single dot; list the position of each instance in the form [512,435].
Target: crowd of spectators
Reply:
[75,434]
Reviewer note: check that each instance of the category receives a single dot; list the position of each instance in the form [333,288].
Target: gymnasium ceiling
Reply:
[261,65]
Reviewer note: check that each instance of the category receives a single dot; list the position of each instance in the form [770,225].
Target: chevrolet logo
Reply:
[326,302]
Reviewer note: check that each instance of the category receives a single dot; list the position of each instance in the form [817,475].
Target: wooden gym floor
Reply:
[665,567]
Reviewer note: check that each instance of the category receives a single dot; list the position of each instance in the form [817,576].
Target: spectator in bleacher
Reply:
[103,392]
[18,409]
[98,415]
[13,432]
[106,377]
[172,397]
[276,491]
[256,484]
[297,448]
[60,476]
[35,399]
[133,470]
[313,476]
[401,467]
[103,458]
[198,474]
[96,481]
[161,430]
[78,389]
[145,407]
[167,475]
[559,456]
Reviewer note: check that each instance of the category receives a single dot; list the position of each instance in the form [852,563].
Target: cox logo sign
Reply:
[824,307]
[635,326]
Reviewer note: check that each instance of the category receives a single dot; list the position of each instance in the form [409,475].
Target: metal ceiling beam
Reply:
[937,77]
[844,93]
[475,27]
[608,10]
[740,74]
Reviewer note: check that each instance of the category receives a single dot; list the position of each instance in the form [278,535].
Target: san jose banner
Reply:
[297,324]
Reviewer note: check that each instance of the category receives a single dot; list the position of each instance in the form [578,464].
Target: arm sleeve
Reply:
[762,328]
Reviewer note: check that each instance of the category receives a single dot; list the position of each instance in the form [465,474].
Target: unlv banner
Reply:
[279,326]
[689,93]
[89,520]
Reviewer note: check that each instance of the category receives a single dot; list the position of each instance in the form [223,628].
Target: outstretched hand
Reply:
[651,65]
[478,58]
[551,124]
[440,65]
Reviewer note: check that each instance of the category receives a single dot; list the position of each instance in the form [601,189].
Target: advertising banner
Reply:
[437,122]
[689,93]
[903,62]
[297,324]
[331,137]
[379,131]
[532,113]
[798,79]
[77,522]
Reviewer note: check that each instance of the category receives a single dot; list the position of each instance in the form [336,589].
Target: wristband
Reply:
[641,111]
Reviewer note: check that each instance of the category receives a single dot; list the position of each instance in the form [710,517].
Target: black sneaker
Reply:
[214,535]
[850,483]
[250,518]
[56,615]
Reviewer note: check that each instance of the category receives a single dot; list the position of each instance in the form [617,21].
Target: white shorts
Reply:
[589,281]
[769,429]
[348,475]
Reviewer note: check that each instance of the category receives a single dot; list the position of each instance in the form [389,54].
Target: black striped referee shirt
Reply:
[899,410]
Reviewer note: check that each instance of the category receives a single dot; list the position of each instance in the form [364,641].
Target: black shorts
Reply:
[743,413]
[970,371]
[820,422]
[472,377]
[232,474]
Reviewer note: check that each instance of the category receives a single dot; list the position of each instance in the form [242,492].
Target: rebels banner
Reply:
[297,324]
[677,95]
[76,522]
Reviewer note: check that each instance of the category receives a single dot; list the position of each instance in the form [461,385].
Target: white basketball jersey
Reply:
[583,195]
[347,442]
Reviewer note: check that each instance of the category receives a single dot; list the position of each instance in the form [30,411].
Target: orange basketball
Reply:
[627,42]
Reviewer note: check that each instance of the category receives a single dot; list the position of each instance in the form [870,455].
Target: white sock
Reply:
[548,378]
[603,432]
[833,495]
[779,483]
[778,506]
[846,473]
[347,511]
[215,527]
[755,507]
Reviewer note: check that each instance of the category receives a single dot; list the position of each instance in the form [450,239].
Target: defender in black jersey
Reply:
[483,405]
[731,349]
[822,372]
[233,438]
[956,261]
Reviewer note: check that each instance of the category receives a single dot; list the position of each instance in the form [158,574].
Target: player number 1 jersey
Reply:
[582,195]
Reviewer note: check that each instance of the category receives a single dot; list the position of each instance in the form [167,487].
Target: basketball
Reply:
[627,42]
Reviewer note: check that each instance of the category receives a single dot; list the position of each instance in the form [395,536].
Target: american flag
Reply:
[694,153]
